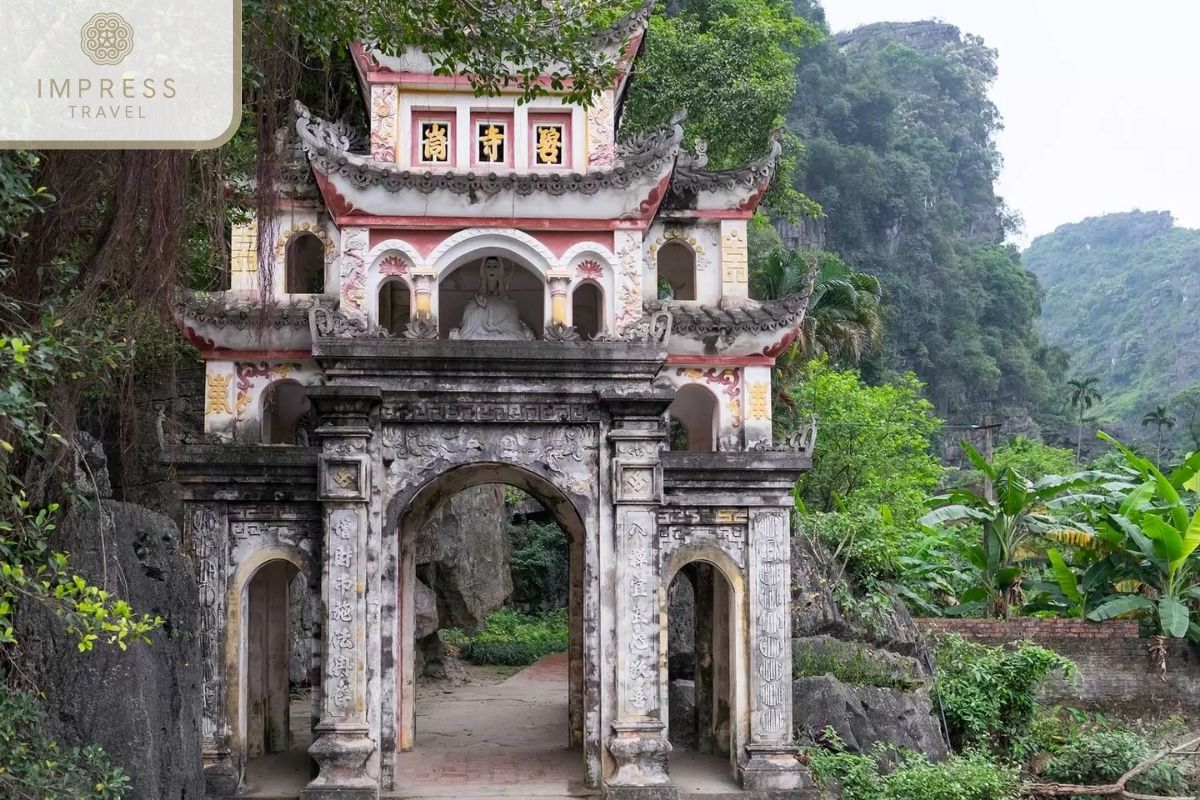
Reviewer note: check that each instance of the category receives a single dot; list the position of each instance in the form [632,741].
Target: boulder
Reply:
[816,612]
[681,710]
[863,716]
[463,555]
[425,612]
[141,705]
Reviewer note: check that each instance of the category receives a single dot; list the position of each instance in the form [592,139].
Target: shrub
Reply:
[1099,757]
[34,766]
[851,665]
[540,560]
[967,777]
[989,694]
[510,638]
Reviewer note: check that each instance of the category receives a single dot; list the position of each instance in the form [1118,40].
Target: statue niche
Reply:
[492,313]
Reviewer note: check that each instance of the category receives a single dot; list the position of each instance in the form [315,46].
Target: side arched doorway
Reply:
[578,727]
[705,693]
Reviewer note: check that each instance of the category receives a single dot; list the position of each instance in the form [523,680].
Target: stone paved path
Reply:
[508,733]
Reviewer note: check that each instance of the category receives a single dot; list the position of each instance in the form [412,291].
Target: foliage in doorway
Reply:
[540,560]
[511,638]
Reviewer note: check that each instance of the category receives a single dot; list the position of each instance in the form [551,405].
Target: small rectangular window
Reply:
[549,144]
[435,144]
[491,142]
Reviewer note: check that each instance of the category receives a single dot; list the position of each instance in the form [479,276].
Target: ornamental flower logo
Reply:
[107,38]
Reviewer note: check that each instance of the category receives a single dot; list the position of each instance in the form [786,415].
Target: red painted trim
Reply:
[442,116]
[559,118]
[251,355]
[703,214]
[530,223]
[721,361]
[504,119]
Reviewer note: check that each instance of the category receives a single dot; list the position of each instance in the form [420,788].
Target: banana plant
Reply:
[1156,532]
[1008,523]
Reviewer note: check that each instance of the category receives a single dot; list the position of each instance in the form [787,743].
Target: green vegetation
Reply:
[540,559]
[851,665]
[1118,296]
[961,777]
[1097,757]
[511,638]
[33,766]
[989,694]
[900,153]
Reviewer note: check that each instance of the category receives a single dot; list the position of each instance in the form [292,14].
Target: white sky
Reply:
[1101,100]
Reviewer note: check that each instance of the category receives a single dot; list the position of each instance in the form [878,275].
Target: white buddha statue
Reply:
[492,314]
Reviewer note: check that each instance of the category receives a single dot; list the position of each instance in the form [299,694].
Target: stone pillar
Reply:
[756,406]
[205,526]
[343,744]
[423,293]
[735,273]
[772,765]
[559,283]
[639,743]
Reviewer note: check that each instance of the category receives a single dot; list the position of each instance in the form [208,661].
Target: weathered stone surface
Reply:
[303,623]
[142,705]
[91,467]
[425,612]
[815,612]
[865,715]
[463,555]
[815,655]
[681,617]
[681,696]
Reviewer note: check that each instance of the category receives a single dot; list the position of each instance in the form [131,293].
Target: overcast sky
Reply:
[1101,100]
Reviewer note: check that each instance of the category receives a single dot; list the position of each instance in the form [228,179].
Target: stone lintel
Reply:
[450,361]
[244,472]
[344,409]
[758,478]
[644,404]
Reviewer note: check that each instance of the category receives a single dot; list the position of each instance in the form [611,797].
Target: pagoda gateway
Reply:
[493,292]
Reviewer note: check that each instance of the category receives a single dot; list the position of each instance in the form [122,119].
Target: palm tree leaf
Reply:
[952,513]
[1064,576]
[1119,606]
[1172,617]
[1184,473]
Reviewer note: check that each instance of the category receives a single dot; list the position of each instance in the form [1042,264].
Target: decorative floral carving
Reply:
[383,122]
[354,267]
[393,265]
[561,332]
[589,270]
[329,321]
[600,131]
[422,327]
[650,329]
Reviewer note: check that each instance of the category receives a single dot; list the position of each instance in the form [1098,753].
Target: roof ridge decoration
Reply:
[691,179]
[628,26]
[327,146]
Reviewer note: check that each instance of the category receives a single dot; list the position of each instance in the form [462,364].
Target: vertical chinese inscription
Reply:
[203,527]
[642,669]
[771,635]
[343,596]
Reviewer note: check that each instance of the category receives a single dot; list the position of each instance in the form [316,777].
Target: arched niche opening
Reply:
[695,419]
[284,409]
[701,608]
[587,309]
[506,516]
[277,658]
[304,264]
[520,290]
[395,305]
[677,272]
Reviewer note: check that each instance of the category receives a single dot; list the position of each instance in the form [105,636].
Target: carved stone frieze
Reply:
[722,528]
[772,632]
[487,411]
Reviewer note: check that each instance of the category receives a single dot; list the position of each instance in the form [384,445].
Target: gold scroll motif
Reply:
[435,142]
[549,144]
[217,401]
[760,408]
[491,142]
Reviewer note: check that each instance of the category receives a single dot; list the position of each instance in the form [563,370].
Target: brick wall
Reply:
[1116,669]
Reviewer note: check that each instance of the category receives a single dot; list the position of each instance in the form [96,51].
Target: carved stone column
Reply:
[639,743]
[343,744]
[772,764]
[205,536]
[559,283]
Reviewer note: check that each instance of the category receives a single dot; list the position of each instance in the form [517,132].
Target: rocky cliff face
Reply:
[463,558]
[141,705]
[867,679]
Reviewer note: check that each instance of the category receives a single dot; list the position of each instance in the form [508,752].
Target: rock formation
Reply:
[141,705]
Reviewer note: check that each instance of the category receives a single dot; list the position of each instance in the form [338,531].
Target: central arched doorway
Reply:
[561,700]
